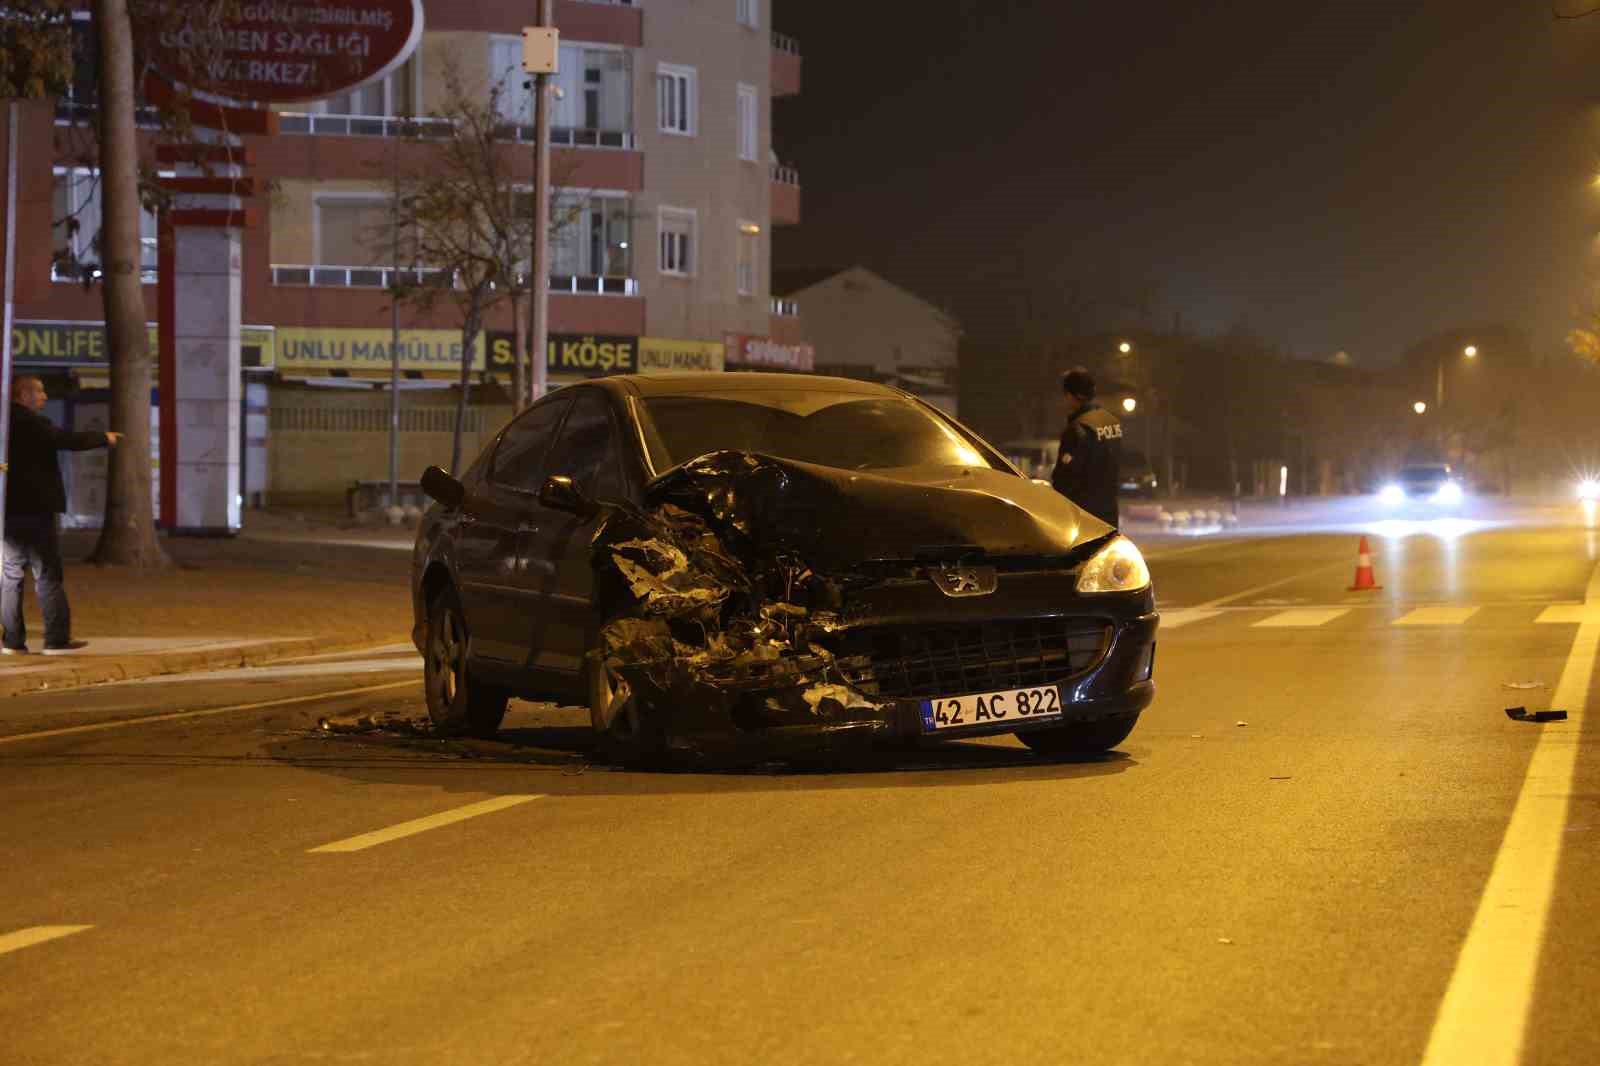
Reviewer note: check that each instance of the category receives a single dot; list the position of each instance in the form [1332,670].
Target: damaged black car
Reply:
[740,563]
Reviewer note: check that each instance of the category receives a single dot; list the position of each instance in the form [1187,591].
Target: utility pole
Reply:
[11,284]
[394,327]
[541,49]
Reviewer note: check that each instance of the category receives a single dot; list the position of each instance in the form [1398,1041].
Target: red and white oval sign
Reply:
[280,51]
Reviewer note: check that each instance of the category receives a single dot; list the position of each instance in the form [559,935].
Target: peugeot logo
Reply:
[965,580]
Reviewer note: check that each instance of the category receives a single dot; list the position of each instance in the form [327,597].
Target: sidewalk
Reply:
[282,590]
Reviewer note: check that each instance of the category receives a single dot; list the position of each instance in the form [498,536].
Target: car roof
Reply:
[711,383]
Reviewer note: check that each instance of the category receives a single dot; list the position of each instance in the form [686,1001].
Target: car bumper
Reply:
[1120,685]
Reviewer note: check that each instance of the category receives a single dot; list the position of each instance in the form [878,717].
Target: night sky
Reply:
[1333,176]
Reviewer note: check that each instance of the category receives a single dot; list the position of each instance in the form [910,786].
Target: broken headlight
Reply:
[1118,567]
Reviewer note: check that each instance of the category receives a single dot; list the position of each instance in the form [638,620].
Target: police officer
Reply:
[1089,466]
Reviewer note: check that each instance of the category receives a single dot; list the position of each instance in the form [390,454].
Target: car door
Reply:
[555,555]
[499,508]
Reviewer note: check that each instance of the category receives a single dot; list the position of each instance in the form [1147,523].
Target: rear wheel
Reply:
[457,705]
[626,734]
[1080,738]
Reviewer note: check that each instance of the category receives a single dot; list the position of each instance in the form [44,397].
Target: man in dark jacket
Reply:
[1089,466]
[34,497]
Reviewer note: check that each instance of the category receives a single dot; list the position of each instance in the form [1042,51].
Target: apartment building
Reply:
[667,181]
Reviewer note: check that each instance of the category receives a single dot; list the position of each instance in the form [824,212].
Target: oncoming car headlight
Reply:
[1392,493]
[1118,567]
[1449,492]
[1589,489]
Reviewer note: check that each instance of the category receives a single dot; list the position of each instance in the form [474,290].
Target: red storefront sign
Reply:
[763,351]
[278,51]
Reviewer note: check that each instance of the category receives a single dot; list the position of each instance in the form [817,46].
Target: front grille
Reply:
[978,657]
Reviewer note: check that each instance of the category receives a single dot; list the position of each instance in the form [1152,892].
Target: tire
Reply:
[1080,738]
[457,705]
[626,736]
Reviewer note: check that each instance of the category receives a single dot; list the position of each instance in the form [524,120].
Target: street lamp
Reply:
[1130,405]
[1420,407]
[1124,347]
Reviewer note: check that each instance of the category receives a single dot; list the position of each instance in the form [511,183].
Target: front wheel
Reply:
[1080,738]
[457,705]
[628,734]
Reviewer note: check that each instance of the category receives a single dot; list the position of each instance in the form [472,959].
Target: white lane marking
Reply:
[422,825]
[1436,616]
[95,727]
[38,934]
[1174,617]
[1301,618]
[1483,1017]
[1269,586]
[1569,614]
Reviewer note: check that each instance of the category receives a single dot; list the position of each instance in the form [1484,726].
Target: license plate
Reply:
[988,708]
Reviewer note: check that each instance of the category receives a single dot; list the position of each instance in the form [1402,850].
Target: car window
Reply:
[588,451]
[840,429]
[519,462]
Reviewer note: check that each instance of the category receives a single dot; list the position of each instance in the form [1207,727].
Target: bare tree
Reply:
[464,220]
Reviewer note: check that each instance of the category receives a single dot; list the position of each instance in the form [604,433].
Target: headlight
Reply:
[1589,489]
[1392,494]
[1449,492]
[1118,567]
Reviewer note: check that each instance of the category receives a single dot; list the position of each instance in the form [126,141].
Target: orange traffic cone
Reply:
[1366,581]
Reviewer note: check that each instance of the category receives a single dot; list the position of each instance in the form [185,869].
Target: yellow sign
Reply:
[368,349]
[659,355]
[83,344]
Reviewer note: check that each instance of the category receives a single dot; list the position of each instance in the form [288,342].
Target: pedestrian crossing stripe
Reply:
[1436,616]
[1302,618]
[1174,617]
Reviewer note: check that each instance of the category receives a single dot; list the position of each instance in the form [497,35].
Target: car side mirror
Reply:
[560,494]
[442,487]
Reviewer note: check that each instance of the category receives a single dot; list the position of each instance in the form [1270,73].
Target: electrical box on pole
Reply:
[541,50]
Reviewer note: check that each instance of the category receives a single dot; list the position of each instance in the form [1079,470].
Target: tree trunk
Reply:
[128,536]
[469,336]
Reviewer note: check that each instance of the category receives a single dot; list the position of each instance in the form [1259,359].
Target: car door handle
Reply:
[527,527]
[467,519]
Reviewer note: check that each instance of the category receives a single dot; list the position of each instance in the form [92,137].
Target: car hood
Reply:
[837,518]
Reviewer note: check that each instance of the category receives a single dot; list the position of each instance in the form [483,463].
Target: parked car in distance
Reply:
[729,562]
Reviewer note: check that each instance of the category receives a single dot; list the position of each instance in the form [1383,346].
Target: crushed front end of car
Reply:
[757,605]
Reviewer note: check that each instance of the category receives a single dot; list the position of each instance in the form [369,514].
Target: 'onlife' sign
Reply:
[279,51]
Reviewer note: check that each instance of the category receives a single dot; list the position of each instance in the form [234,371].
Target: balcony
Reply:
[785,65]
[305,123]
[348,277]
[618,22]
[785,196]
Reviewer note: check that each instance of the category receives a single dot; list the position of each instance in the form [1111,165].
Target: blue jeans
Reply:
[32,542]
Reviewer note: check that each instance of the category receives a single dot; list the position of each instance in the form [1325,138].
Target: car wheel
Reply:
[626,735]
[1081,738]
[457,705]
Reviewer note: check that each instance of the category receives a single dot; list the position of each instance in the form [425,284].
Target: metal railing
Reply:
[348,277]
[785,308]
[784,43]
[785,175]
[426,128]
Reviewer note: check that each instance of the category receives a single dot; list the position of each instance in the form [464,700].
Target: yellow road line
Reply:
[38,934]
[422,825]
[1484,1015]
[173,716]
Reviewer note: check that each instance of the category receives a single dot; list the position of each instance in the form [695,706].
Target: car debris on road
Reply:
[1520,714]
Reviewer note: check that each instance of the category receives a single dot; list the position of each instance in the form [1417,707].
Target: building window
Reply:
[591,234]
[75,229]
[750,13]
[677,228]
[355,231]
[398,94]
[594,105]
[749,123]
[675,99]
[749,238]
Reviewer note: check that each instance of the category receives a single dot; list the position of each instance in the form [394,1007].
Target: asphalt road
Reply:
[1324,843]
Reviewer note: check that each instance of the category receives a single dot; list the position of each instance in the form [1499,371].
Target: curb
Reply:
[132,667]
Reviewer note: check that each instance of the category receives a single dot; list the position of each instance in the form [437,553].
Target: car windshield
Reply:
[839,429]
[1424,473]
